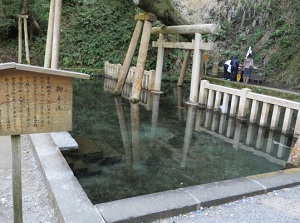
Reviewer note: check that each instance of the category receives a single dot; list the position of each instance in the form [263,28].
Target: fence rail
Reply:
[113,71]
[254,107]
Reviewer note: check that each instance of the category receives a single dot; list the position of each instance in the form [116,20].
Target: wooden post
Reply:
[151,80]
[243,106]
[233,105]
[48,51]
[195,70]
[184,67]
[275,117]
[141,62]
[203,94]
[26,40]
[56,34]
[130,52]
[264,114]
[159,63]
[287,120]
[225,103]
[20,39]
[17,178]
[254,111]
[217,101]
[210,100]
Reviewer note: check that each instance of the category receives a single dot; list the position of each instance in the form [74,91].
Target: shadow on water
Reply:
[128,150]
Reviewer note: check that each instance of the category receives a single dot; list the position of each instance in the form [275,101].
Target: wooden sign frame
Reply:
[35,99]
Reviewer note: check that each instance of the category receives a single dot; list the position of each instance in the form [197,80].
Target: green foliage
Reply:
[8,18]
[9,11]
[97,31]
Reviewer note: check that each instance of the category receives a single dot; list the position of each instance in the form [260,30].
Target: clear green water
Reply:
[128,150]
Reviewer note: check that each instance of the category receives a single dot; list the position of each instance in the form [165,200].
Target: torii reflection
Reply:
[190,122]
[246,136]
[132,149]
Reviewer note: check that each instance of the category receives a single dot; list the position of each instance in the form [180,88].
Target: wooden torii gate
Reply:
[197,45]
[143,22]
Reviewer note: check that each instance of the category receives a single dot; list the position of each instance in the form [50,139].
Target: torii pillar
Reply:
[144,21]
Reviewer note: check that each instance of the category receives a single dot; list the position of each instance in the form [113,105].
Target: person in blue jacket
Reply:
[234,68]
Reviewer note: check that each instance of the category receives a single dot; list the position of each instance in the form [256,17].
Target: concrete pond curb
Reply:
[73,205]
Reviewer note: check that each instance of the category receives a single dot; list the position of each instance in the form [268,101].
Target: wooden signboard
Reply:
[205,58]
[34,100]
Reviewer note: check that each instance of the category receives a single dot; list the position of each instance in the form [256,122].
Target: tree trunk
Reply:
[24,5]
[163,9]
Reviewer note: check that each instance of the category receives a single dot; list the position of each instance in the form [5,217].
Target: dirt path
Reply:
[36,203]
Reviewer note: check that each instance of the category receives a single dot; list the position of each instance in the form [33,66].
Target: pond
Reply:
[127,150]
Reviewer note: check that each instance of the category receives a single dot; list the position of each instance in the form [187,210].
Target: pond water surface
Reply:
[128,150]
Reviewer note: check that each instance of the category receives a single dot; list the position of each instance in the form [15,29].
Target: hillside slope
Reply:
[271,27]
[98,30]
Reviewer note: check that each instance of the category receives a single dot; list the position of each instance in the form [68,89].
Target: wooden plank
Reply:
[44,70]
[5,66]
[34,103]
[273,100]
[23,16]
[146,16]
[184,45]
[187,29]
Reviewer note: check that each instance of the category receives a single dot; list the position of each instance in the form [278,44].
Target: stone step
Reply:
[64,141]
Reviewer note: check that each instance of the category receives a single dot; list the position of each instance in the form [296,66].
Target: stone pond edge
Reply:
[72,204]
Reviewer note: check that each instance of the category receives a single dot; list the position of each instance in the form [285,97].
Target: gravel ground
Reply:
[281,206]
[36,203]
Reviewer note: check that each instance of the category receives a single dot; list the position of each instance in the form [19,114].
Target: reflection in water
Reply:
[154,118]
[250,137]
[123,130]
[190,122]
[135,122]
[161,143]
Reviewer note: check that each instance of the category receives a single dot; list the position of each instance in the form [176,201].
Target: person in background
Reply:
[227,70]
[240,72]
[248,65]
[234,68]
